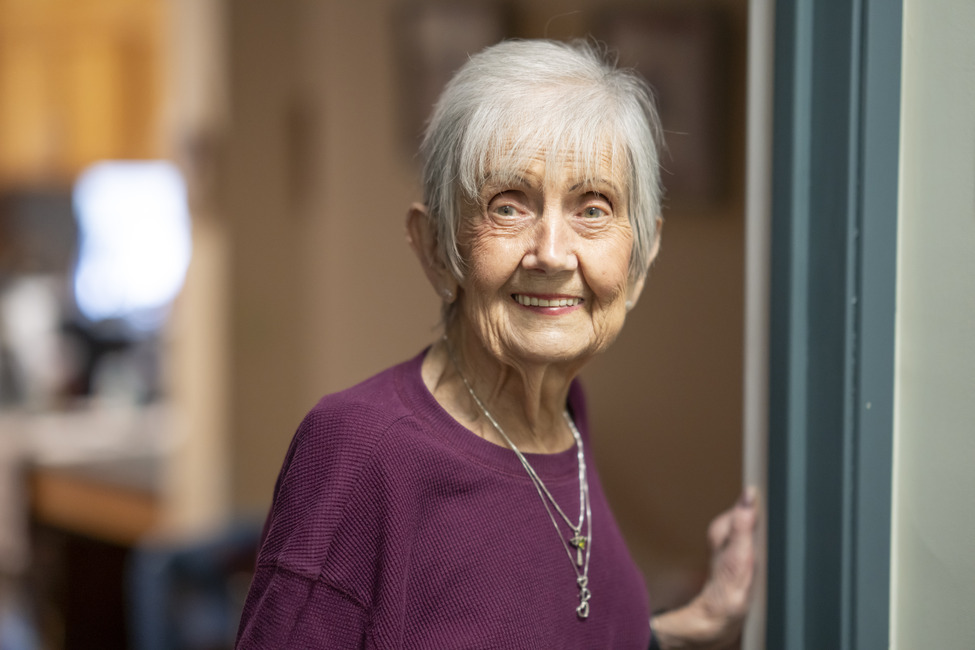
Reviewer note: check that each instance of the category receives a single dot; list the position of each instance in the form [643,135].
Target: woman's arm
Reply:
[714,618]
[288,610]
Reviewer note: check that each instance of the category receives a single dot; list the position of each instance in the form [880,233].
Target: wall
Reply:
[933,568]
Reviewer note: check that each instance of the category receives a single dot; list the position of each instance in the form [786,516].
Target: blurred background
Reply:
[202,212]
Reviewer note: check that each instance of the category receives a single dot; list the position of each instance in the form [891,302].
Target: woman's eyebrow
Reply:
[510,179]
[595,185]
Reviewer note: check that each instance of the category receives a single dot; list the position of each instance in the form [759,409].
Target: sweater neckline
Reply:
[452,433]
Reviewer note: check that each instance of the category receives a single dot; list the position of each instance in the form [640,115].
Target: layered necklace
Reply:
[582,544]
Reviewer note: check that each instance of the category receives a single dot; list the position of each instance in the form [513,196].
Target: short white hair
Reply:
[520,97]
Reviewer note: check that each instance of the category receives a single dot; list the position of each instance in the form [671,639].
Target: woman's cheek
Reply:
[610,279]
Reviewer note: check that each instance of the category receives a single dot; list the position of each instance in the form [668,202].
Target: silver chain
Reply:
[582,544]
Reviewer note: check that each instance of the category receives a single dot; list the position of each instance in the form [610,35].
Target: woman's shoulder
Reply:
[352,422]
[366,408]
[332,454]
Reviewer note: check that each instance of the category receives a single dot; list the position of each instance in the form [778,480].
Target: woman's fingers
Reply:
[739,519]
[719,530]
[727,594]
[715,616]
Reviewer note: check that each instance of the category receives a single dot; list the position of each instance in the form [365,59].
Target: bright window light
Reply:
[135,242]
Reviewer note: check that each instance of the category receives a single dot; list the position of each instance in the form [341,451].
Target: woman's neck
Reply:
[527,400]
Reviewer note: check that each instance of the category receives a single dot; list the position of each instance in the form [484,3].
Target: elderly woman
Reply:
[452,501]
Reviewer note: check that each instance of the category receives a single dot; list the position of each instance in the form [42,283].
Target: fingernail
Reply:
[748,496]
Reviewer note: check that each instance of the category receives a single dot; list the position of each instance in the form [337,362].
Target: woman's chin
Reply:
[552,348]
[563,341]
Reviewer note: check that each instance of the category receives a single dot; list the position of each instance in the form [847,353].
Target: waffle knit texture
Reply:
[393,526]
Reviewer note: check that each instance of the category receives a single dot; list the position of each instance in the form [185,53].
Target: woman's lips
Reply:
[547,301]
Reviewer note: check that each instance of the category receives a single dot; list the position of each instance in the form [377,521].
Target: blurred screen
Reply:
[134,241]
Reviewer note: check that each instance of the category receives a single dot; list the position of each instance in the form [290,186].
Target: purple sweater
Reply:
[393,526]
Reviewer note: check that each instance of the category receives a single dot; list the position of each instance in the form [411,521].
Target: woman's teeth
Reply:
[531,301]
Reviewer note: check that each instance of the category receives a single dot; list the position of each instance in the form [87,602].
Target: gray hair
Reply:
[518,98]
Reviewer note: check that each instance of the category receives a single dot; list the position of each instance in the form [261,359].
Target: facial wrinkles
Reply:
[546,196]
[531,173]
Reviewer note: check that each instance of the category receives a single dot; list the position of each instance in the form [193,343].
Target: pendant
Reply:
[580,543]
[584,594]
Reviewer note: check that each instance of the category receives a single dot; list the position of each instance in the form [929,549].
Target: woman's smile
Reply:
[549,304]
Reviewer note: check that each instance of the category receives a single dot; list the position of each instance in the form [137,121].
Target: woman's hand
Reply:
[714,618]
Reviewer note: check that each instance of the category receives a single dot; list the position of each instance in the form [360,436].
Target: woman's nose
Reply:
[553,247]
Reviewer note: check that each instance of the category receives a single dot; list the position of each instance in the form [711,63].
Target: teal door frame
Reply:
[831,355]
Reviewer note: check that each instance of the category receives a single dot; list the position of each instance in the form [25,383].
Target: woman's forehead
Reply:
[543,165]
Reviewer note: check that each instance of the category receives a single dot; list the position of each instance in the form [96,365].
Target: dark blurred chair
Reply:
[189,597]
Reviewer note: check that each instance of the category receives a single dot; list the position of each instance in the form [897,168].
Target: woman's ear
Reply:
[636,286]
[423,240]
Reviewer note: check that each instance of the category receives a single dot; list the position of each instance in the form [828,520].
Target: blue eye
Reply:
[594,212]
[505,211]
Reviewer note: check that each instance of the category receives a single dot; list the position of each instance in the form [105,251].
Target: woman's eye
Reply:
[594,212]
[504,206]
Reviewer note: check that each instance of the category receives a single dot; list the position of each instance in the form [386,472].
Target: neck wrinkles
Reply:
[526,399]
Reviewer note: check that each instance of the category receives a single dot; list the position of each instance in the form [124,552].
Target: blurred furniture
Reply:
[80,81]
[189,595]
[94,487]
[113,500]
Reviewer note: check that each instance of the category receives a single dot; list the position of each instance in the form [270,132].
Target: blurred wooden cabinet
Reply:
[80,81]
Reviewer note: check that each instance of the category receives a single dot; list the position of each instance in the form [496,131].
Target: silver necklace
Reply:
[581,543]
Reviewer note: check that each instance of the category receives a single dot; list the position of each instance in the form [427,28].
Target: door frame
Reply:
[830,233]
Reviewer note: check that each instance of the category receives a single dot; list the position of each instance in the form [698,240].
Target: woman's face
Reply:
[548,258]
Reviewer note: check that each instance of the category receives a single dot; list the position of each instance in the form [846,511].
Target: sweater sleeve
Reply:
[287,610]
[293,602]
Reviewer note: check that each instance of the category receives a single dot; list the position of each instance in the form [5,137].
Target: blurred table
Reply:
[93,488]
[97,470]
[114,500]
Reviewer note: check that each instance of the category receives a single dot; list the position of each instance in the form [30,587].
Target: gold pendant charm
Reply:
[580,543]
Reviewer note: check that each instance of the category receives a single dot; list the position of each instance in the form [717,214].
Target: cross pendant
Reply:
[580,543]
